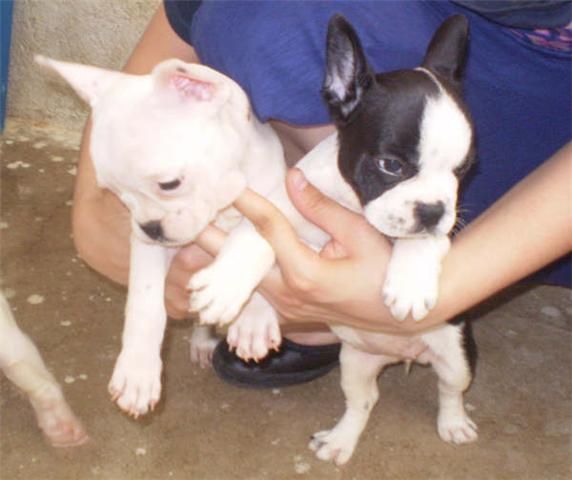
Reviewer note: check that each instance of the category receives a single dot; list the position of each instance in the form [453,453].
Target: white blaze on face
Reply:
[445,136]
[444,141]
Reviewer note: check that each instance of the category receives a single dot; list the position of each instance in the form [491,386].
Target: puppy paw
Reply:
[457,428]
[254,336]
[333,445]
[218,294]
[412,279]
[202,345]
[407,292]
[57,421]
[136,383]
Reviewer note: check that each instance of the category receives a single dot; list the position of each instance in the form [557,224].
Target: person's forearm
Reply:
[525,230]
[159,42]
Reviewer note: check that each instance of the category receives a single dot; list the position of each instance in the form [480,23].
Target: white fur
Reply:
[221,289]
[412,278]
[445,132]
[202,345]
[23,365]
[190,123]
[136,381]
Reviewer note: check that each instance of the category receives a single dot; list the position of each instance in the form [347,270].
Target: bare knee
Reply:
[101,230]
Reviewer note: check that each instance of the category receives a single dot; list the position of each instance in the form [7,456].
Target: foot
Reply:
[252,337]
[457,428]
[57,421]
[136,383]
[334,445]
[202,345]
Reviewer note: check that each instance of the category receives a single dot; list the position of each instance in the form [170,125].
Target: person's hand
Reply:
[342,284]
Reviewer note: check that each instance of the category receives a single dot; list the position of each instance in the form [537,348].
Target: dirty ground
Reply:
[207,430]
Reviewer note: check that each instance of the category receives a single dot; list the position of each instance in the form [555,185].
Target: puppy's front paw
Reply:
[407,291]
[412,279]
[457,428]
[218,293]
[254,336]
[136,382]
[334,445]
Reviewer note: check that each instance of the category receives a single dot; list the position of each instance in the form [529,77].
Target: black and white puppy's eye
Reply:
[170,185]
[390,166]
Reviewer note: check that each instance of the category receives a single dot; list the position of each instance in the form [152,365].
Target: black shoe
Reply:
[291,365]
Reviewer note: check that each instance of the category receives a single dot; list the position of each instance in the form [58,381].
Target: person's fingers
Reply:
[348,228]
[333,250]
[188,260]
[211,240]
[294,257]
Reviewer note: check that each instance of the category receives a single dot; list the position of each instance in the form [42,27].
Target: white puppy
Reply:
[178,146]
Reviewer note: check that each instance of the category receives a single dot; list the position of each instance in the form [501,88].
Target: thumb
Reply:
[348,228]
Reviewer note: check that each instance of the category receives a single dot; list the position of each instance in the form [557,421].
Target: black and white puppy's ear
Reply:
[347,73]
[447,50]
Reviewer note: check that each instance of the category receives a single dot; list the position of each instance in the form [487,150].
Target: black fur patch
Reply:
[391,112]
[469,345]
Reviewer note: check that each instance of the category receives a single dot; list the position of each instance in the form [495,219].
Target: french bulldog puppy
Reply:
[178,146]
[22,364]
[404,139]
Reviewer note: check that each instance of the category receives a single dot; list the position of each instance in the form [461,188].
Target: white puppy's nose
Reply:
[153,230]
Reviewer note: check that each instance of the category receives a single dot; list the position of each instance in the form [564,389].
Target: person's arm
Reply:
[526,229]
[100,221]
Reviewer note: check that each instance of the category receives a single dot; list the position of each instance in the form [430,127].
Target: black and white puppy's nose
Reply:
[153,229]
[429,214]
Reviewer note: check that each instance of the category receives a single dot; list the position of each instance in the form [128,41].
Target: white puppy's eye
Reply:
[171,185]
[390,166]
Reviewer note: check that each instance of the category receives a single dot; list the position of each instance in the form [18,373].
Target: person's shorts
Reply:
[519,94]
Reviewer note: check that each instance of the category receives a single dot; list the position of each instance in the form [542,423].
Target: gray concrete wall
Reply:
[98,32]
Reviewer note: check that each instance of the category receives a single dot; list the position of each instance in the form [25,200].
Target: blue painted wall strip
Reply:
[6,7]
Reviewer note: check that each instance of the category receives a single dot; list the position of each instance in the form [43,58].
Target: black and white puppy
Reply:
[403,141]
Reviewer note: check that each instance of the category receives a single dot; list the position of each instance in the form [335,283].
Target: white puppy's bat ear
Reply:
[190,81]
[89,82]
[348,74]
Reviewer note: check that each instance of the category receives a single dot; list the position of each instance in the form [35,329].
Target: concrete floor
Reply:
[205,429]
